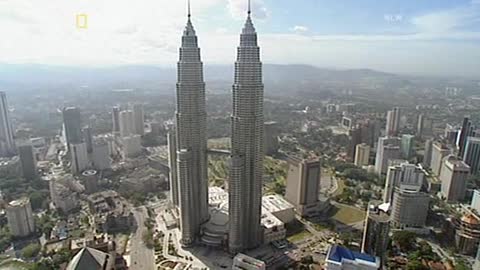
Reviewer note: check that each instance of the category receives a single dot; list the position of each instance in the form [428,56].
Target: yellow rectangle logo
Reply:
[82,21]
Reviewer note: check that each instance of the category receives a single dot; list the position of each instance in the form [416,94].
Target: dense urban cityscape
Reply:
[259,166]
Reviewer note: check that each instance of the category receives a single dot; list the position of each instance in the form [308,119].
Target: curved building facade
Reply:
[191,139]
[409,208]
[245,186]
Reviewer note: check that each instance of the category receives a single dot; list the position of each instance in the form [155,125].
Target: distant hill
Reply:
[277,78]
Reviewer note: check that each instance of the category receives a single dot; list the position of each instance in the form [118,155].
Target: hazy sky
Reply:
[409,36]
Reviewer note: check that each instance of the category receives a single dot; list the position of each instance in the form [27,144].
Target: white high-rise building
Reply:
[7,143]
[439,151]
[404,176]
[20,217]
[126,123]
[409,208]
[388,149]
[191,138]
[138,119]
[79,155]
[454,177]
[246,172]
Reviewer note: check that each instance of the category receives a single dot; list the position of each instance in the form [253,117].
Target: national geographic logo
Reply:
[82,21]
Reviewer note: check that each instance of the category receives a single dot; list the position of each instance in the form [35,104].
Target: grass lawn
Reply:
[13,265]
[299,236]
[347,214]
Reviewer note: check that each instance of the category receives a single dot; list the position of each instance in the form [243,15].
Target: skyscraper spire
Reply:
[246,171]
[191,137]
[249,7]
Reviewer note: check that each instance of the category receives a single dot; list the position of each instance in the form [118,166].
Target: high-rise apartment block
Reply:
[303,181]
[126,123]
[439,151]
[427,153]
[271,138]
[100,154]
[191,138]
[246,171]
[138,119]
[409,208]
[116,119]
[72,122]
[80,161]
[388,148]
[362,154]
[20,217]
[131,146]
[87,133]
[7,142]
[424,126]
[375,233]
[407,146]
[28,161]
[466,131]
[454,177]
[355,139]
[471,155]
[393,122]
[451,134]
[403,176]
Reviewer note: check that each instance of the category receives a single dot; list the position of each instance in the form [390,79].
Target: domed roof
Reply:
[470,219]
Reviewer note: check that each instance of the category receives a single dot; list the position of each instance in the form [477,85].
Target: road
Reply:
[141,257]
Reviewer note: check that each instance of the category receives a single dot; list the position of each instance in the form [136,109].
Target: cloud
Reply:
[238,9]
[299,29]
[447,20]
[149,33]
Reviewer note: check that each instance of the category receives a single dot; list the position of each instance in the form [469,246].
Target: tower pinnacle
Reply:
[249,7]
[189,10]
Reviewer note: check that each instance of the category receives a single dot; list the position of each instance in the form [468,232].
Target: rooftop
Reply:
[275,203]
[338,254]
[88,258]
[20,202]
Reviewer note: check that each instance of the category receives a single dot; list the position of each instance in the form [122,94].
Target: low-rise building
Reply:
[10,167]
[111,212]
[63,197]
[215,231]
[244,262]
[341,258]
[93,259]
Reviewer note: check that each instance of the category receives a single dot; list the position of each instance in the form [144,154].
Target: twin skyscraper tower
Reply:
[189,183]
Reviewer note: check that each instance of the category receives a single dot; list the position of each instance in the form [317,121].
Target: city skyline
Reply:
[406,37]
